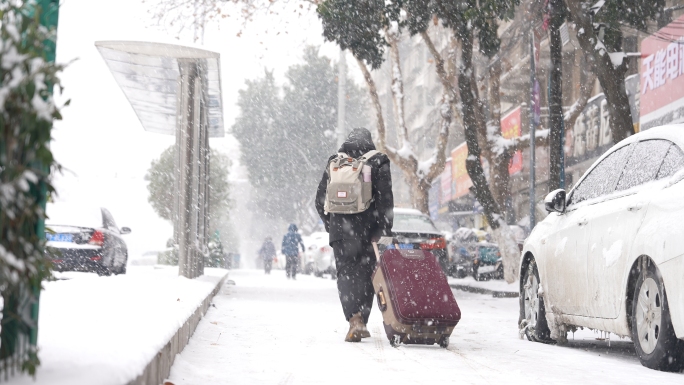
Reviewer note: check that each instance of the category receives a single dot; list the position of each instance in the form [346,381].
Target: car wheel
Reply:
[654,338]
[499,273]
[103,271]
[534,324]
[122,269]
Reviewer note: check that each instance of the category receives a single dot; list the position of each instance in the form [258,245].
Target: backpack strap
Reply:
[369,154]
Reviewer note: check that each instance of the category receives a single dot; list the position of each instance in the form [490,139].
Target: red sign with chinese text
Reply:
[662,71]
[510,128]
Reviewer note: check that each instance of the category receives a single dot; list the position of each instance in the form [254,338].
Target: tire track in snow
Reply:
[286,380]
[468,362]
[379,346]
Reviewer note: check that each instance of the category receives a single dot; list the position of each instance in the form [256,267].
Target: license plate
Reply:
[402,246]
[57,237]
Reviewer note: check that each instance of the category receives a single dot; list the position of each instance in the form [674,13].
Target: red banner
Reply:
[510,128]
[459,172]
[662,74]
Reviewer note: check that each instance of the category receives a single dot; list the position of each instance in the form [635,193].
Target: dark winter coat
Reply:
[267,251]
[291,240]
[377,220]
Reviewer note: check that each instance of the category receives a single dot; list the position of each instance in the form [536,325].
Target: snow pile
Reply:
[105,330]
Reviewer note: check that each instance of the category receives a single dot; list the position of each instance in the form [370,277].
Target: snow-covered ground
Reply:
[105,330]
[269,330]
[492,284]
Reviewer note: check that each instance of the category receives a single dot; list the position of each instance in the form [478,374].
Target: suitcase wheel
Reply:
[395,341]
[444,342]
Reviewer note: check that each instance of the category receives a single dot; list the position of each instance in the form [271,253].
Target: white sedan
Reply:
[610,256]
[320,255]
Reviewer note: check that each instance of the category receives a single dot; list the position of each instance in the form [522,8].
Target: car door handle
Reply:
[582,222]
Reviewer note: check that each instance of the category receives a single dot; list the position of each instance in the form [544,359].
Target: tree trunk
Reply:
[473,164]
[419,191]
[375,99]
[555,98]
[500,230]
[611,78]
[499,158]
[419,176]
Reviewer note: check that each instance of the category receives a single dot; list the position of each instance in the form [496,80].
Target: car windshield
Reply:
[67,214]
[413,224]
[489,252]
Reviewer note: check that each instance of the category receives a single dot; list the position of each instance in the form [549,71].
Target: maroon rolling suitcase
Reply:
[414,297]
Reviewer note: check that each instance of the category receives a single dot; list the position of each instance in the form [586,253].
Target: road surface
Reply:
[270,330]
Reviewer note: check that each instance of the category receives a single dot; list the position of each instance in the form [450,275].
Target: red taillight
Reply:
[433,244]
[324,249]
[57,260]
[96,258]
[97,238]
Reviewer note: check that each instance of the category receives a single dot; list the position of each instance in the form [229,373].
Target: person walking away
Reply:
[267,253]
[351,234]
[290,249]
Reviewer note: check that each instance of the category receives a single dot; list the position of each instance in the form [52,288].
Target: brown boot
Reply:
[364,332]
[356,327]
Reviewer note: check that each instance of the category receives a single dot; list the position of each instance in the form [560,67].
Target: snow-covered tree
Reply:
[287,134]
[599,32]
[161,178]
[27,110]
[366,28]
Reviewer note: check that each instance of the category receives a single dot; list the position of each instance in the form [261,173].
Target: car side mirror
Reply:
[125,230]
[555,201]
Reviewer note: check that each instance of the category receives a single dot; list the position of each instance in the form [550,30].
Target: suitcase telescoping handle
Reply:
[377,252]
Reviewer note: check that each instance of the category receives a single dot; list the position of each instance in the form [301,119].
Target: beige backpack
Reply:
[350,189]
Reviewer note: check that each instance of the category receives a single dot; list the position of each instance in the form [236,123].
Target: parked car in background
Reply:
[486,261]
[321,255]
[610,255]
[81,238]
[413,227]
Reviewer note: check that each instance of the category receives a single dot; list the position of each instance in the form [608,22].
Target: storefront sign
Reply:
[591,136]
[445,185]
[662,76]
[510,128]
[459,172]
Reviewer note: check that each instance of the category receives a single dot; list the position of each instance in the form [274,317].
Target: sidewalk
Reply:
[107,330]
[496,287]
[268,330]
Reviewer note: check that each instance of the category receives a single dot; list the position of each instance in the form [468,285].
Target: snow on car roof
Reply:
[671,132]
[72,214]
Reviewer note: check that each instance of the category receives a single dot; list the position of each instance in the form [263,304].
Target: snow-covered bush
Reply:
[27,110]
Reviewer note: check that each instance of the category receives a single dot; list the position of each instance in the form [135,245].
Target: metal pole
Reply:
[187,224]
[555,96]
[341,97]
[533,127]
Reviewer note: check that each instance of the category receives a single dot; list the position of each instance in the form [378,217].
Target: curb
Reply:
[481,290]
[159,368]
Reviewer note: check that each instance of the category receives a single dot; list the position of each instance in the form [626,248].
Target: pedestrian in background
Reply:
[290,248]
[267,252]
[351,235]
